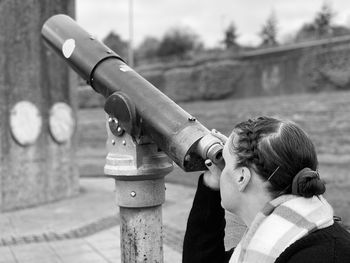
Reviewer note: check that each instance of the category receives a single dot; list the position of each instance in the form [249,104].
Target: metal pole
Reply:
[141,236]
[131,34]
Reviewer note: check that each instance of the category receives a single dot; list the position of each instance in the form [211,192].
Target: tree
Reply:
[324,20]
[268,31]
[321,27]
[230,36]
[117,44]
[340,31]
[178,42]
[148,48]
[307,32]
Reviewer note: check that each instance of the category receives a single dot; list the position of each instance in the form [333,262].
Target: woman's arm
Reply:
[204,238]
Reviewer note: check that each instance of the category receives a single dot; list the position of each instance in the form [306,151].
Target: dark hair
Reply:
[277,150]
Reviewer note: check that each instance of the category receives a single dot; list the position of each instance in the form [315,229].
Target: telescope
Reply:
[144,129]
[139,108]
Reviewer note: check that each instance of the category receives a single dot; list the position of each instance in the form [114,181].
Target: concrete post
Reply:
[37,109]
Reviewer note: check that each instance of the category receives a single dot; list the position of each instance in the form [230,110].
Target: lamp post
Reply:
[131,34]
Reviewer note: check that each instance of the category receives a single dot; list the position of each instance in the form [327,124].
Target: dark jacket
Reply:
[204,238]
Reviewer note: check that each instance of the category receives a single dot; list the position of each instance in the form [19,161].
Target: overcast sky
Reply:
[208,18]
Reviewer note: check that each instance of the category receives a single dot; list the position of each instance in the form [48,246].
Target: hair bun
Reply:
[307,183]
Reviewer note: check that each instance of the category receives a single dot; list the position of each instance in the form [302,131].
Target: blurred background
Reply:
[223,62]
[226,63]
[207,27]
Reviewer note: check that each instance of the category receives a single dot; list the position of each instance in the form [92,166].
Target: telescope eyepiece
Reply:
[210,147]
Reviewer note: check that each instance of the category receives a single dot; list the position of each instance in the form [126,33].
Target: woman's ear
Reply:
[244,178]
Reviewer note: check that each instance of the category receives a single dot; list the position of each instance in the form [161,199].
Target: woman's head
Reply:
[277,151]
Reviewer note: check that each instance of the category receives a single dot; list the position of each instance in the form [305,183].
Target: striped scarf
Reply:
[283,221]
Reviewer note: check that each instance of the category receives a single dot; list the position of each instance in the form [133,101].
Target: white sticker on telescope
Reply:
[68,47]
[124,68]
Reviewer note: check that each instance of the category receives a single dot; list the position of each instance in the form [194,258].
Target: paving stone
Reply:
[8,241]
[111,254]
[49,236]
[56,244]
[89,257]
[43,260]
[8,261]
[71,247]
[32,251]
[6,255]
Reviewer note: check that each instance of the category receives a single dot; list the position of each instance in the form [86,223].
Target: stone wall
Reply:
[37,162]
[299,68]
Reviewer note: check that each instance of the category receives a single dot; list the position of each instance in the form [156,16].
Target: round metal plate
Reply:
[25,123]
[61,122]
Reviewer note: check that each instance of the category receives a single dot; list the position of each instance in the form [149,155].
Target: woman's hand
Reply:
[211,177]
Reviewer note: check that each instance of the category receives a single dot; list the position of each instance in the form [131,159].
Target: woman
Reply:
[270,180]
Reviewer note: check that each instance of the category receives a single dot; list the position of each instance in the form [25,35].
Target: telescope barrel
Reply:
[174,130]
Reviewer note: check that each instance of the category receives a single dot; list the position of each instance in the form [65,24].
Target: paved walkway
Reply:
[86,228]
